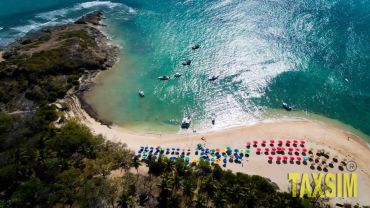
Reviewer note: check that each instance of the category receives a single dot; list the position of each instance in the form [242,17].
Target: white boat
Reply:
[186,121]
[177,75]
[141,93]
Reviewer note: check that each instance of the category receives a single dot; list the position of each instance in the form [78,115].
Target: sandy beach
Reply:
[1,56]
[318,135]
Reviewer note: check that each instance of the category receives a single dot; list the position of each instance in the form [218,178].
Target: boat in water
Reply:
[186,121]
[196,46]
[178,75]
[164,78]
[186,62]
[141,93]
[213,78]
[287,107]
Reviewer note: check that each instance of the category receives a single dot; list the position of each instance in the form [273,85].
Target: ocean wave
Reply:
[59,16]
[1,28]
[90,4]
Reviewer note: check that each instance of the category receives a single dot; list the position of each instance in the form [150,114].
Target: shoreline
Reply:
[320,135]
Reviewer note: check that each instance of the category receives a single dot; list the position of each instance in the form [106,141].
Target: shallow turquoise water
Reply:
[312,54]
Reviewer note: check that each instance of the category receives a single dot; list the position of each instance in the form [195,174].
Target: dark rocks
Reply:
[93,18]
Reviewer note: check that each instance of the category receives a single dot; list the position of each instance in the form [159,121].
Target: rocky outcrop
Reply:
[42,66]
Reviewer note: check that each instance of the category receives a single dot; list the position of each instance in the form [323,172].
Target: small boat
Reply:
[186,62]
[177,75]
[196,46]
[164,78]
[213,78]
[186,121]
[141,93]
[287,107]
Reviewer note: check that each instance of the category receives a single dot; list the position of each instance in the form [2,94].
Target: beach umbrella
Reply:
[303,142]
[280,141]
[304,150]
[213,150]
[263,141]
[299,158]
[217,150]
[267,149]
[295,141]
[285,158]
[273,149]
[290,149]
[241,151]
[288,141]
[305,158]
[272,141]
[278,158]
[270,158]
[225,161]
[236,150]
[292,158]
[228,148]
[297,149]
[259,149]
[255,142]
[217,161]
[248,144]
[151,148]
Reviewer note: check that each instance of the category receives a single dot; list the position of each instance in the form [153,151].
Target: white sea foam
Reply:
[87,5]
[59,16]
[1,28]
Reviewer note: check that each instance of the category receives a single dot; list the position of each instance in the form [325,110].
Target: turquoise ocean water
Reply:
[313,54]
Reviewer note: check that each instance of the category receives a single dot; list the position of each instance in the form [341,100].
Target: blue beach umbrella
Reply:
[236,150]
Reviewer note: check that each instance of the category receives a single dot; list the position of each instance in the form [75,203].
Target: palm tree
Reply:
[200,201]
[169,165]
[136,163]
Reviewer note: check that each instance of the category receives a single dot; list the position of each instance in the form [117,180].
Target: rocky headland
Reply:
[53,63]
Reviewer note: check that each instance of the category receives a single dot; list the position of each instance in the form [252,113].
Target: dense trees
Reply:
[46,166]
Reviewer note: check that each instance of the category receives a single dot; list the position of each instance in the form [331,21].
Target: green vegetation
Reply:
[45,166]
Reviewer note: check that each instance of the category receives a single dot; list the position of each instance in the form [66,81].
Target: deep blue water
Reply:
[313,54]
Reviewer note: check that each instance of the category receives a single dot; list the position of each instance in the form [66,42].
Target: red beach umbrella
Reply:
[280,141]
[303,142]
[297,149]
[273,149]
[248,143]
[267,149]
[263,141]
[292,158]
[290,149]
[272,141]
[283,149]
[278,158]
[285,158]
[218,150]
[270,158]
[304,150]
[299,158]
[259,149]
[295,141]
[255,142]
